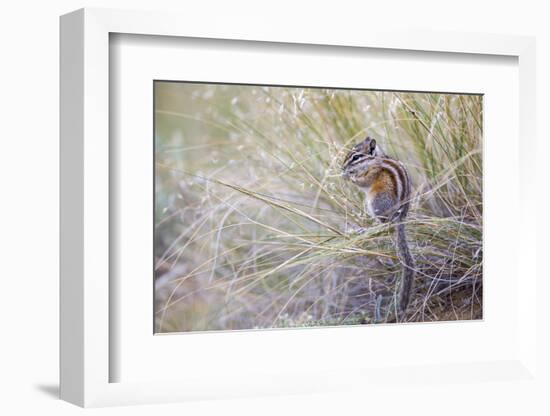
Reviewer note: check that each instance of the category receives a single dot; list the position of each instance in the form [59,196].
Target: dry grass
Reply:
[256,229]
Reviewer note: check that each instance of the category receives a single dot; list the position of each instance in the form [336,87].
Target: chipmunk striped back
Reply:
[387,186]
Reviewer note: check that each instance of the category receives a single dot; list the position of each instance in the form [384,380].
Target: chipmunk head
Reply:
[360,158]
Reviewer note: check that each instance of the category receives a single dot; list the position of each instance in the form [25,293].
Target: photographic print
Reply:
[292,207]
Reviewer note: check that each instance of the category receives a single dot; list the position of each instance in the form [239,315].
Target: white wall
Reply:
[29,181]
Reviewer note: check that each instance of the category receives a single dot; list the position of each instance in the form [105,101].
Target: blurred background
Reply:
[255,228]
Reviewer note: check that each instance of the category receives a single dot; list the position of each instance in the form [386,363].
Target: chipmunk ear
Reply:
[366,147]
[372,146]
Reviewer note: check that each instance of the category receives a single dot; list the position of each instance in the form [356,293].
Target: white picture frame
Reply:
[87,356]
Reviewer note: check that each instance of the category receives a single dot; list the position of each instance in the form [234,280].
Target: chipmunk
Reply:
[387,186]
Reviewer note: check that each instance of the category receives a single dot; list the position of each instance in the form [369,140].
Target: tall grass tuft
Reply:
[255,228]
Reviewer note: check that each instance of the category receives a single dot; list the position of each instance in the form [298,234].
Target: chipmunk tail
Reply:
[407,278]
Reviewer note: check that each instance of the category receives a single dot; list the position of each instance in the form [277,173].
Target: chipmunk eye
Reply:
[355,157]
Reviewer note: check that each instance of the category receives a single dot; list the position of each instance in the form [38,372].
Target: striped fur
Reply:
[387,186]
